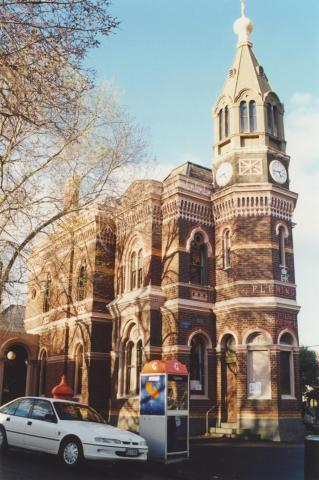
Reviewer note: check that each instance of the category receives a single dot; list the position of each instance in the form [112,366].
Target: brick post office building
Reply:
[198,267]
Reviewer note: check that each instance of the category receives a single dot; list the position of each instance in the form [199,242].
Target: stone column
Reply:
[219,357]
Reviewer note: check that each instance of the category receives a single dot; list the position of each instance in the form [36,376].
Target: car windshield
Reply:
[79,413]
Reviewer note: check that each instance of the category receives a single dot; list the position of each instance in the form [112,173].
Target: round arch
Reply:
[223,337]
[262,331]
[202,333]
[293,336]
[205,237]
[32,355]
[285,228]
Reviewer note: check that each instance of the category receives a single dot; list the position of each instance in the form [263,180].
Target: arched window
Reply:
[130,362]
[243,116]
[81,290]
[139,363]
[226,121]
[197,365]
[140,268]
[78,371]
[226,249]
[42,373]
[270,120]
[276,121]
[133,271]
[221,124]
[252,116]
[198,260]
[47,294]
[259,381]
[287,383]
[281,241]
[130,367]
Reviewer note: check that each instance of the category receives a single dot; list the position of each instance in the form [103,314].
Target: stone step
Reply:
[221,435]
[246,434]
[224,431]
[234,426]
[216,435]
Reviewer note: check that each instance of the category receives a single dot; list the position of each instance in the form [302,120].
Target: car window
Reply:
[76,412]
[10,408]
[24,407]
[41,410]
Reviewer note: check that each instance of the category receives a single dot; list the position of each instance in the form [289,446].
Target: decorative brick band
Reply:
[265,201]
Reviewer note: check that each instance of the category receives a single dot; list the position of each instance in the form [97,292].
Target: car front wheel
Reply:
[3,440]
[71,453]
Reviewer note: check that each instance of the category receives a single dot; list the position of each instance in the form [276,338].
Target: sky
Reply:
[169,60]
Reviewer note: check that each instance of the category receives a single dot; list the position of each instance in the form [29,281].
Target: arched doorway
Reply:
[15,372]
[229,380]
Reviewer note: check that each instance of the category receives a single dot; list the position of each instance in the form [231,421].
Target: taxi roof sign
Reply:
[166,366]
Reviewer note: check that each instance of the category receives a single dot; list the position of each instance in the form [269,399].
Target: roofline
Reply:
[188,163]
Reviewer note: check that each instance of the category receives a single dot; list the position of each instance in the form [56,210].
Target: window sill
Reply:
[199,285]
[200,396]
[259,398]
[224,141]
[288,397]
[227,269]
[128,397]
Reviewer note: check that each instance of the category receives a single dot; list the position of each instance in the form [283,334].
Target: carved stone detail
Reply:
[247,204]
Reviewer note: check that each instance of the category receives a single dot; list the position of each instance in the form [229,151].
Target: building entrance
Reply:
[229,381]
[15,373]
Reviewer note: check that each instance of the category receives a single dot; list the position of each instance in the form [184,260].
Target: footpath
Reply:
[212,459]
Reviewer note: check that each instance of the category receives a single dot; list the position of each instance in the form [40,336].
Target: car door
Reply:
[41,431]
[16,423]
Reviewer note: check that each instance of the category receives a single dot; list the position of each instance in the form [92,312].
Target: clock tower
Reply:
[256,308]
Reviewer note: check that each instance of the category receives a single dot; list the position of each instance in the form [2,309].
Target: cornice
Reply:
[246,200]
[136,299]
[182,184]
[181,303]
[248,303]
[33,325]
[254,282]
[188,209]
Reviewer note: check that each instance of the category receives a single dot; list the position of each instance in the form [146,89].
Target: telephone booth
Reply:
[164,410]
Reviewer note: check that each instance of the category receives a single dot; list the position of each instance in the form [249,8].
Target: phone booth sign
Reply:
[164,409]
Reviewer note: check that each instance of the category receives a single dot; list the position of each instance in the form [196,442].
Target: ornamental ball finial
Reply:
[243,27]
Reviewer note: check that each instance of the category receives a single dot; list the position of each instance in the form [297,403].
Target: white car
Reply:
[69,429]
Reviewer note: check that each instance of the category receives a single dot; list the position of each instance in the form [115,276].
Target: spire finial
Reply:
[243,26]
[243,8]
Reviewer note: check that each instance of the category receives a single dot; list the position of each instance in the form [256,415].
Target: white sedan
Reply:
[71,430]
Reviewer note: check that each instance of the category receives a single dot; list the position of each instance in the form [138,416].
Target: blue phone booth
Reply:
[164,410]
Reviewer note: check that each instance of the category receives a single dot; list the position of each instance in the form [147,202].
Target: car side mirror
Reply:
[49,417]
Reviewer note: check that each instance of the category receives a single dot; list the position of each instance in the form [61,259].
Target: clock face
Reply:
[224,174]
[278,171]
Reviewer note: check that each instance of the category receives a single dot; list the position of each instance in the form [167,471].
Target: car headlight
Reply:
[143,443]
[111,441]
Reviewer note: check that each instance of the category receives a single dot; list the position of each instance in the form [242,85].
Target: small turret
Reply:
[72,192]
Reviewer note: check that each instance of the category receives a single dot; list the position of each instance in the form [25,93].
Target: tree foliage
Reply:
[309,369]
[54,125]
[42,47]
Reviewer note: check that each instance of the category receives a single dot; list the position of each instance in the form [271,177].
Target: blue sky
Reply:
[169,59]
